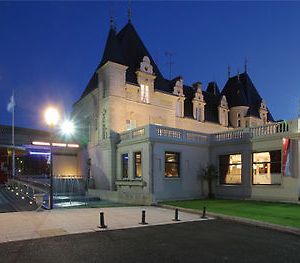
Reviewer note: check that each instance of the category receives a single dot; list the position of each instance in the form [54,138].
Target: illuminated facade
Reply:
[148,137]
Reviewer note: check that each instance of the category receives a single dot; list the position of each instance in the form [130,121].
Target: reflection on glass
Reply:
[171,164]
[125,165]
[138,164]
[266,167]
[230,167]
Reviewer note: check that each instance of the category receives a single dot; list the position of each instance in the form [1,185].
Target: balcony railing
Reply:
[179,135]
[277,128]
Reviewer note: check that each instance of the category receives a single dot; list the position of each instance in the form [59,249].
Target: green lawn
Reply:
[275,213]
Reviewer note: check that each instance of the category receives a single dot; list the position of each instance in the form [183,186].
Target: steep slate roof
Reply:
[240,91]
[210,109]
[127,48]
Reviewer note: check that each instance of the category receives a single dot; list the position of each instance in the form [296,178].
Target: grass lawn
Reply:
[275,213]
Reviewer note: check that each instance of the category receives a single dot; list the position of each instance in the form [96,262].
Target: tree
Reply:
[209,174]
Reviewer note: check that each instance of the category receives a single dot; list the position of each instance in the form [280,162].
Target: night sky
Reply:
[49,50]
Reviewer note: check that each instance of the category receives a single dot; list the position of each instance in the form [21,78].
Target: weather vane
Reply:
[246,64]
[170,62]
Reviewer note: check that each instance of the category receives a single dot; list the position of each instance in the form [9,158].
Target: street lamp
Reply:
[51,116]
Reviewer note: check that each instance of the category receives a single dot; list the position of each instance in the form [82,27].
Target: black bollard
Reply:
[102,224]
[176,218]
[144,218]
[204,213]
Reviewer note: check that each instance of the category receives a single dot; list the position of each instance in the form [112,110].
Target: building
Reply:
[32,159]
[148,137]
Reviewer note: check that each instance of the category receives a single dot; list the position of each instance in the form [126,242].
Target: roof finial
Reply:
[228,71]
[111,21]
[238,74]
[129,11]
[246,64]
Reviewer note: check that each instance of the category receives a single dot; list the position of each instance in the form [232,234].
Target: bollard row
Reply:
[143,221]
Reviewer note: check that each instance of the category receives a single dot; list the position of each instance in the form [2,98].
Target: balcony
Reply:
[161,133]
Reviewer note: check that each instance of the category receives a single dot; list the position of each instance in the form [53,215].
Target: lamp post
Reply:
[51,118]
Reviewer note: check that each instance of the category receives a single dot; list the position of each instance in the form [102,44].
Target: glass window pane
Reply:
[171,164]
[138,164]
[266,167]
[230,169]
[125,165]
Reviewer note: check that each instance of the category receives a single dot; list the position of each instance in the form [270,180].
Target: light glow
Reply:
[39,153]
[73,145]
[41,143]
[67,128]
[58,144]
[51,116]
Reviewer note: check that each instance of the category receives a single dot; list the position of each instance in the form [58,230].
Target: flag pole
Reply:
[13,136]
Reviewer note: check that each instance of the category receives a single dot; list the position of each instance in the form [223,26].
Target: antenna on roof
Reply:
[112,22]
[170,62]
[228,71]
[246,65]
[129,12]
[111,17]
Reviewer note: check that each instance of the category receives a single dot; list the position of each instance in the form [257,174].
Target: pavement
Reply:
[31,224]
[198,241]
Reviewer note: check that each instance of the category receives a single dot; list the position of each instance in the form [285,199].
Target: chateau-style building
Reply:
[146,138]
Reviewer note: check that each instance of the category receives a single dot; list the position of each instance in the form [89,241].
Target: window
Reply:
[130,124]
[172,164]
[125,165]
[178,112]
[144,93]
[230,168]
[238,123]
[198,113]
[138,164]
[266,167]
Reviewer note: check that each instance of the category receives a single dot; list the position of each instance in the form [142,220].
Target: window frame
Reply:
[241,163]
[135,164]
[252,170]
[123,165]
[177,163]
[145,93]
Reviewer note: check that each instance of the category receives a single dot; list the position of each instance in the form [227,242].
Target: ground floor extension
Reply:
[153,163]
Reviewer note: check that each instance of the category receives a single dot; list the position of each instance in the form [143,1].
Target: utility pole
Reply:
[170,61]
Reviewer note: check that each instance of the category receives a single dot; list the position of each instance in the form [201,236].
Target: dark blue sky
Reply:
[48,50]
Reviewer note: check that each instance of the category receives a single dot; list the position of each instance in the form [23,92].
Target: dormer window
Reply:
[198,114]
[144,93]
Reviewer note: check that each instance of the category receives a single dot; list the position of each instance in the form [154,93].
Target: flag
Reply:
[11,104]
[286,157]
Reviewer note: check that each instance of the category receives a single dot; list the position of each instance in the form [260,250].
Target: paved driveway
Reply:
[199,241]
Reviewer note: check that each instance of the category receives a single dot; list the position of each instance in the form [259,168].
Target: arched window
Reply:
[238,123]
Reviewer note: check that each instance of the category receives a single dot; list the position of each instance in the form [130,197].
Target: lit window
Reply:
[138,164]
[266,167]
[125,165]
[144,93]
[172,160]
[230,168]
[178,108]
[130,124]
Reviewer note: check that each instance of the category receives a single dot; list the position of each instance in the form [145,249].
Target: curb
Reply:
[284,229]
